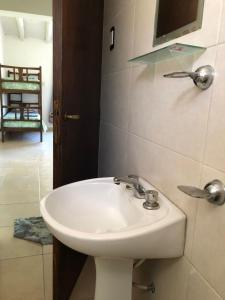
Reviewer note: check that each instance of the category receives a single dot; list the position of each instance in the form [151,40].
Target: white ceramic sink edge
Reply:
[142,233]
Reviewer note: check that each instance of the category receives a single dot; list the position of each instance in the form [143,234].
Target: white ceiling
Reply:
[25,26]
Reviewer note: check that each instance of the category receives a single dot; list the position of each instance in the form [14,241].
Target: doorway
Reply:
[26,164]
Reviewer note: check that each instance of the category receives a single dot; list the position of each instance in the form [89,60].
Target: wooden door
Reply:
[78,26]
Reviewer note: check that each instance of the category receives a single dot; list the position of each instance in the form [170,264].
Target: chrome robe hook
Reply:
[214,192]
[203,77]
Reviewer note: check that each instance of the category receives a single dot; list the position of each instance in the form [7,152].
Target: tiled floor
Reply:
[25,177]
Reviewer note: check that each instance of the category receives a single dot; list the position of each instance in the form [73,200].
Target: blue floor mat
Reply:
[32,229]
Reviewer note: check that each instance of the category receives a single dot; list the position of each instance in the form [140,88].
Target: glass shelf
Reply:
[169,52]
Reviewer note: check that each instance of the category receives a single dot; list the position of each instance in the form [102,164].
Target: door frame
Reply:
[67,264]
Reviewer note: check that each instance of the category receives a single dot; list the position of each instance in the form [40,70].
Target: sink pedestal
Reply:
[118,230]
[113,278]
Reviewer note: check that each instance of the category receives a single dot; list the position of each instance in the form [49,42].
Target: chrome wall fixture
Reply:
[214,192]
[203,77]
[146,288]
[112,42]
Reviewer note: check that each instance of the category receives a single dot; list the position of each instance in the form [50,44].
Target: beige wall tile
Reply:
[215,154]
[166,170]
[48,276]
[117,59]
[11,247]
[143,26]
[199,289]
[179,106]
[167,140]
[115,98]
[209,242]
[163,110]
[142,96]
[164,273]
[22,279]
[222,26]
[113,151]
[113,8]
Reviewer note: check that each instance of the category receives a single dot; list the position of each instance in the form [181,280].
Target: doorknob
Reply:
[71,117]
[214,192]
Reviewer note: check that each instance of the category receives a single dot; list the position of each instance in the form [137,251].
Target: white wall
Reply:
[1,44]
[40,7]
[170,133]
[33,53]
[2,41]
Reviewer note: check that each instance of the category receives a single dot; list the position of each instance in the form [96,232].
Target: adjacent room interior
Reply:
[26,150]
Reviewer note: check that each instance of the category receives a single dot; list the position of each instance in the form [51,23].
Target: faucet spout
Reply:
[125,179]
[133,181]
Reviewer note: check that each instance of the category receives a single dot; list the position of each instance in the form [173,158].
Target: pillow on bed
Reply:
[33,77]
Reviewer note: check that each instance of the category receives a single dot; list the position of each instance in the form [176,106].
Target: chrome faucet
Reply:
[132,182]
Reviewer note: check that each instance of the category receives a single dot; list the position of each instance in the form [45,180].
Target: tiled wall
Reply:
[170,133]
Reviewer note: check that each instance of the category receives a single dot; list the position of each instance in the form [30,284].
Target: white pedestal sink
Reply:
[104,220]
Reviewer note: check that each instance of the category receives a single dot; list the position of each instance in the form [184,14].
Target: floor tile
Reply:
[47,249]
[9,212]
[11,247]
[85,287]
[22,279]
[48,278]
[26,169]
[46,179]
[19,185]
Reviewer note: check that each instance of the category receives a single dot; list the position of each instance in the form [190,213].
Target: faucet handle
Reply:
[194,191]
[151,197]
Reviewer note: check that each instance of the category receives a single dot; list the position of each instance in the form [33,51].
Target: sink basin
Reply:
[104,220]
[99,218]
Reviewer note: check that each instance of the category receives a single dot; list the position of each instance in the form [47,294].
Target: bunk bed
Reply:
[18,115]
